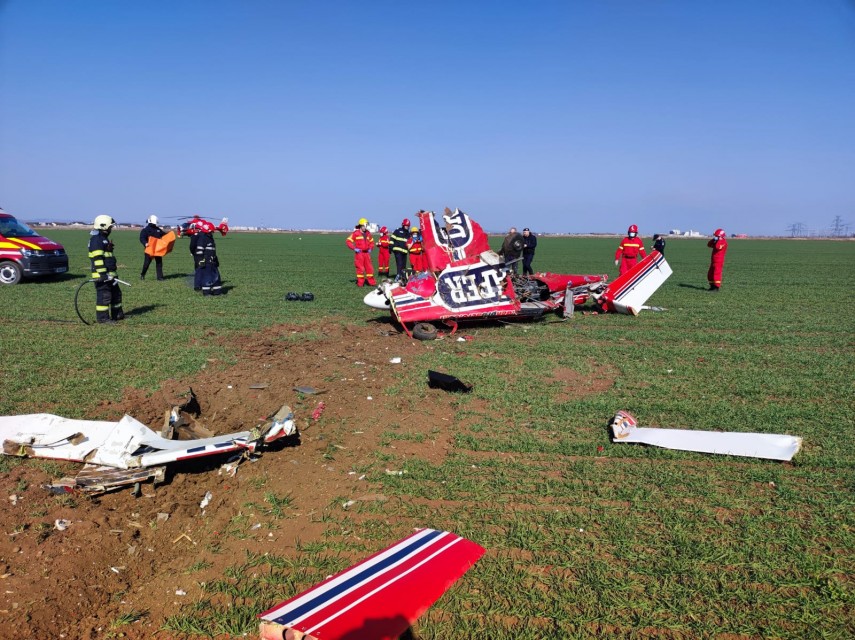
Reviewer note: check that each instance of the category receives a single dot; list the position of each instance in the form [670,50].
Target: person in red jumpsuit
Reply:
[719,248]
[416,248]
[384,242]
[626,256]
[361,243]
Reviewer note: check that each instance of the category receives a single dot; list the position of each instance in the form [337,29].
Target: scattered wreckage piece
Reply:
[466,281]
[628,293]
[127,445]
[446,382]
[750,445]
[94,479]
[378,598]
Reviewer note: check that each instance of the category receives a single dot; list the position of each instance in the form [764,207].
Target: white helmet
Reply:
[151,220]
[103,223]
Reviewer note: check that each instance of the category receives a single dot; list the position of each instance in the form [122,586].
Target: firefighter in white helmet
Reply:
[108,295]
[151,230]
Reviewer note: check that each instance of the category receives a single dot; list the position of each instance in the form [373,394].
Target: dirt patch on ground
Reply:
[118,555]
[574,385]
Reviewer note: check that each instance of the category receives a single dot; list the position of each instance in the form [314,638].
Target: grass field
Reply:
[584,538]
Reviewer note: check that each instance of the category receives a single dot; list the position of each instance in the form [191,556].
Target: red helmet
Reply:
[383,229]
[633,229]
[719,233]
[406,223]
[205,227]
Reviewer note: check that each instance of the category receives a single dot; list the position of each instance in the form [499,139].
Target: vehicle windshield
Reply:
[11,228]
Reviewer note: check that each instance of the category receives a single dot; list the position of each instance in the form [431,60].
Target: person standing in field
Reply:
[512,248]
[361,243]
[204,250]
[151,230]
[659,243]
[108,295]
[383,244]
[629,249]
[400,238]
[529,245]
[416,249]
[719,248]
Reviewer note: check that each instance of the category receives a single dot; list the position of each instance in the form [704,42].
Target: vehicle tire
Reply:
[10,273]
[517,243]
[424,331]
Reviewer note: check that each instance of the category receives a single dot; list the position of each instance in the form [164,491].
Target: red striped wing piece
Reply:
[378,598]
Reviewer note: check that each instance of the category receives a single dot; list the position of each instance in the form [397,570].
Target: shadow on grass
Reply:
[138,311]
[692,286]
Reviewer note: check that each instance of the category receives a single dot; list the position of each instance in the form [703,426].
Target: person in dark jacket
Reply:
[108,295]
[400,238]
[151,230]
[204,252]
[512,247]
[659,243]
[529,245]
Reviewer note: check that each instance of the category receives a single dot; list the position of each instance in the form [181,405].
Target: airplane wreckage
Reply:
[466,281]
[126,452]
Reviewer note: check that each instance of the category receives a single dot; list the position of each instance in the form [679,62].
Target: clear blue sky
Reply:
[576,115]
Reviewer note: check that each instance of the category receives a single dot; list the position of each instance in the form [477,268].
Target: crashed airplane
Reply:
[465,280]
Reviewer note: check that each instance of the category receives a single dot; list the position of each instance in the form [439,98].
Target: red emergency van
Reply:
[26,254]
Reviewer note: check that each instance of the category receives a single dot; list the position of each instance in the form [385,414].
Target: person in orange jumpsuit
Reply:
[626,256]
[719,248]
[384,242]
[361,243]
[416,248]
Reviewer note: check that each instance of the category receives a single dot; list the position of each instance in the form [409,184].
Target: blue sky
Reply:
[573,116]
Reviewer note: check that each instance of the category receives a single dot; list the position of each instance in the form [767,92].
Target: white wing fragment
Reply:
[750,445]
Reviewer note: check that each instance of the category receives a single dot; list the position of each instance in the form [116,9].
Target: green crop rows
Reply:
[584,538]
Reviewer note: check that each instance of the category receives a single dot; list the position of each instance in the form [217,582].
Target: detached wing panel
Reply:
[382,596]
[629,292]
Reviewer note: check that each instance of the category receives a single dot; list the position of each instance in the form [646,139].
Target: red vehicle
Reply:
[26,254]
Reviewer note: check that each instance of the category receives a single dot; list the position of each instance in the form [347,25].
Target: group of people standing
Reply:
[631,250]
[108,293]
[403,243]
[519,245]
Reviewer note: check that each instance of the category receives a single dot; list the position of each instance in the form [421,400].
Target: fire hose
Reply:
[77,296]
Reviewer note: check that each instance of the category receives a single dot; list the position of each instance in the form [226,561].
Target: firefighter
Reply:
[416,249]
[204,251]
[361,243]
[108,295]
[719,248]
[626,256]
[400,238]
[659,243]
[151,230]
[384,243]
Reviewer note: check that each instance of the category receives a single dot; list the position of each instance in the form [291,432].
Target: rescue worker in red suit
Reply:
[361,243]
[719,248]
[630,248]
[400,238]
[416,249]
[384,243]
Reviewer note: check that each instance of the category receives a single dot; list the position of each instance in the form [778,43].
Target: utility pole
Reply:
[837,227]
[796,229]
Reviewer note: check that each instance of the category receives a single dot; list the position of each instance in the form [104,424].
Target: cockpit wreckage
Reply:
[466,281]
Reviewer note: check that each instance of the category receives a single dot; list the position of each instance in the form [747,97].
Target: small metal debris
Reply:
[306,390]
[259,385]
[162,517]
[61,525]
[395,361]
[206,500]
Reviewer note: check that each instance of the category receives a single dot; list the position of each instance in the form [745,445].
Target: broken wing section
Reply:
[628,293]
[458,238]
[380,597]
[749,445]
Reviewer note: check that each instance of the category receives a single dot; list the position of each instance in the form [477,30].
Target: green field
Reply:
[620,542]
